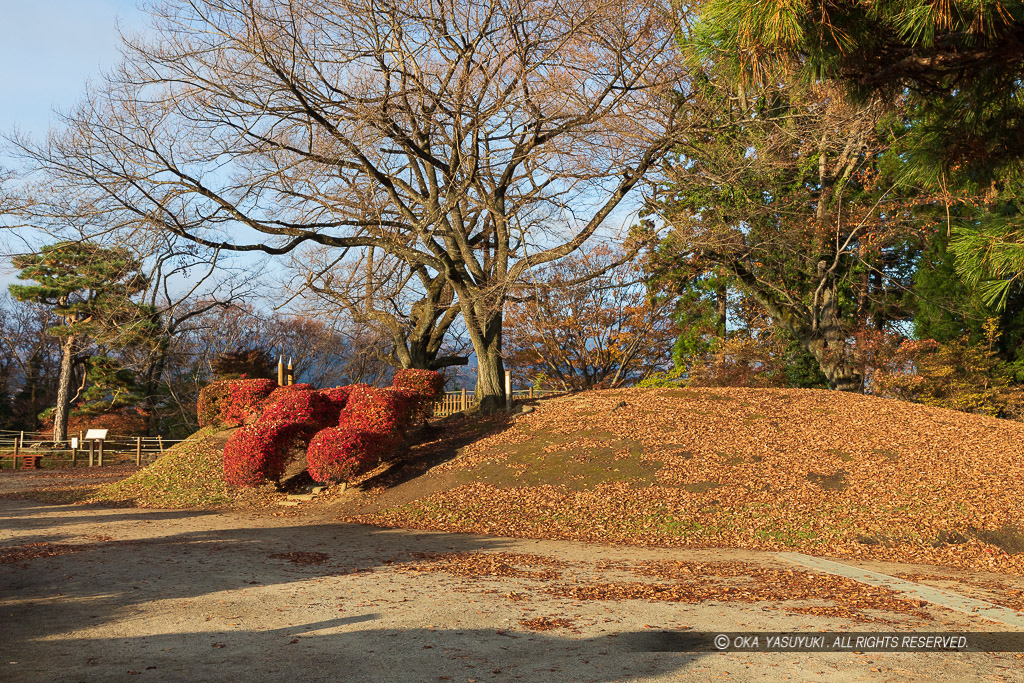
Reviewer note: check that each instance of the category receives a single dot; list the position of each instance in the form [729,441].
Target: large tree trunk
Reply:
[829,348]
[490,367]
[822,335]
[841,373]
[60,412]
[490,379]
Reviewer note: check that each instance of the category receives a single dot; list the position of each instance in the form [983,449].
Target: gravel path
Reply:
[101,594]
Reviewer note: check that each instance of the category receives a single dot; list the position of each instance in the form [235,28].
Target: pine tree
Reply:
[244,362]
[89,287]
[784,196]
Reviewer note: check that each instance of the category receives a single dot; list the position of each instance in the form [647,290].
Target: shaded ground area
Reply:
[89,593]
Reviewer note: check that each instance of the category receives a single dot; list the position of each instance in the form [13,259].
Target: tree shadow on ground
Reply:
[61,581]
[330,651]
[437,444]
[231,599]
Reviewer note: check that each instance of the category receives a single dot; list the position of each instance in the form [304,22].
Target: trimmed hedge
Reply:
[381,411]
[340,453]
[304,405]
[338,396]
[257,452]
[208,405]
[427,383]
[370,424]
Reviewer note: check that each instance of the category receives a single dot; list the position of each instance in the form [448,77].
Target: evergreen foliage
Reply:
[241,363]
[89,287]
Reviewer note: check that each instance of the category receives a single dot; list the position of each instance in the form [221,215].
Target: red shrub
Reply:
[259,452]
[427,383]
[336,395]
[370,422]
[379,411]
[295,387]
[308,406]
[340,453]
[243,399]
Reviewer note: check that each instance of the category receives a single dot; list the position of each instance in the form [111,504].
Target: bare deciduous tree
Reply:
[475,139]
[410,306]
[580,332]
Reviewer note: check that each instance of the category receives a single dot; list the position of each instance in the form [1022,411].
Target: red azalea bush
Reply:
[299,406]
[370,422]
[294,387]
[380,411]
[258,452]
[426,383]
[340,453]
[338,396]
[369,431]
[208,405]
[232,401]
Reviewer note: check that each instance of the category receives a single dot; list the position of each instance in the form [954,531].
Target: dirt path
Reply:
[125,594]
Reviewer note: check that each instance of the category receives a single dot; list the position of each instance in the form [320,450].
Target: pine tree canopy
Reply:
[86,284]
[960,62]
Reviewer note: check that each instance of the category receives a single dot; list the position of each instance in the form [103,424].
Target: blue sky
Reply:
[50,48]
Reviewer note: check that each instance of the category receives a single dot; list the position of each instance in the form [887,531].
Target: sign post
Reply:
[93,436]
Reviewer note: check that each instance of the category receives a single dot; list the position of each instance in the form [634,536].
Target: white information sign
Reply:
[74,442]
[98,434]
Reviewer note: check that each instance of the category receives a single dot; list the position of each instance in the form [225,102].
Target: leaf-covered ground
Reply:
[189,475]
[818,471]
[794,590]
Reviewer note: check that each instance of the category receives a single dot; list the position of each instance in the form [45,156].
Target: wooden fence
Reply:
[26,448]
[458,401]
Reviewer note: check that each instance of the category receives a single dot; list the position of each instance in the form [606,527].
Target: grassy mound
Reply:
[818,471]
[189,475]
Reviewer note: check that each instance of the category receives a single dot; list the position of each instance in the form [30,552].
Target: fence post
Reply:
[462,402]
[160,440]
[17,447]
[531,392]
[138,451]
[508,390]
[280,371]
[74,452]
[99,461]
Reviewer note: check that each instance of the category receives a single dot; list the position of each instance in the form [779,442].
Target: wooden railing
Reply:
[459,401]
[17,447]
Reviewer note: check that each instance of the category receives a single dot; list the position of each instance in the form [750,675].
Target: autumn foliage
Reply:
[258,452]
[426,383]
[957,374]
[349,430]
[580,331]
[370,430]
[340,453]
[299,405]
[232,402]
